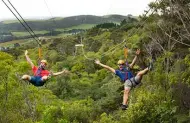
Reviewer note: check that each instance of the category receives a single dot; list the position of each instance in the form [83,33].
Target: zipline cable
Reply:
[107,52]
[90,59]
[50,13]
[106,14]
[25,23]
[19,21]
[101,24]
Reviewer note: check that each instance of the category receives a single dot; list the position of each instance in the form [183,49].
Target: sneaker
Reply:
[124,107]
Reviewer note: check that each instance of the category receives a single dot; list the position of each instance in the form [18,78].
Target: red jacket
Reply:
[42,72]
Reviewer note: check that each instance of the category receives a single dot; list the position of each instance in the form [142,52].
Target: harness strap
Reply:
[134,81]
[129,75]
[131,83]
[38,71]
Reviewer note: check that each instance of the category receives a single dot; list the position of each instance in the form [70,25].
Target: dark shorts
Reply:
[36,81]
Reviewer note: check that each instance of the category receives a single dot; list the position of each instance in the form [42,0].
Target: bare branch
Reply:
[177,40]
[172,37]
[154,40]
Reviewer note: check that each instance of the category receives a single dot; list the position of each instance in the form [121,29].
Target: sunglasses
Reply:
[120,64]
[44,63]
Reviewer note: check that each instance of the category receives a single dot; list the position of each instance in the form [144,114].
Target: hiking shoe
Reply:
[124,107]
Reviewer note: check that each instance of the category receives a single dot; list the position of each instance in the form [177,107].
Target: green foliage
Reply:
[76,111]
[186,74]
[91,94]
[150,107]
[94,32]
[116,36]
[22,34]
[52,56]
[104,118]
[6,62]
[53,114]
[106,25]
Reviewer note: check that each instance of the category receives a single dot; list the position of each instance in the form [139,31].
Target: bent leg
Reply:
[44,78]
[26,77]
[142,72]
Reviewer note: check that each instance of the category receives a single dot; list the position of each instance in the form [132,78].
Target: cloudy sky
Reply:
[65,8]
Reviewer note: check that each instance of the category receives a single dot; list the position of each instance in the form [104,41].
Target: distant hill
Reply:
[13,30]
[67,22]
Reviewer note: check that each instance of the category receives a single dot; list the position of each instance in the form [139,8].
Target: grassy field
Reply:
[62,35]
[22,34]
[35,20]
[25,41]
[16,21]
[82,26]
[10,21]
[11,43]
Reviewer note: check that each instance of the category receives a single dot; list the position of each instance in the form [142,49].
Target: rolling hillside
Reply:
[60,23]
[13,30]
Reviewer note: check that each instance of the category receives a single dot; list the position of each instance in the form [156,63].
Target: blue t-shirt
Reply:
[123,75]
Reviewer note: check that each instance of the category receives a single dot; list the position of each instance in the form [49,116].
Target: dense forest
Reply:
[91,94]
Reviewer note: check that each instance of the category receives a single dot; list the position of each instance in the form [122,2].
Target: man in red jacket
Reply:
[41,75]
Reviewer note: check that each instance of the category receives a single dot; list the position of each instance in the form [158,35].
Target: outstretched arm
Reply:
[58,73]
[105,66]
[135,59]
[28,59]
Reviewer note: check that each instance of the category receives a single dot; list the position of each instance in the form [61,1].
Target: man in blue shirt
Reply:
[126,76]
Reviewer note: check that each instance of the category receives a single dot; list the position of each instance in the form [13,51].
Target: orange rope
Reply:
[40,53]
[125,52]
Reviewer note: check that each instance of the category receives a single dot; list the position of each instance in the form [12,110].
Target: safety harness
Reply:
[130,76]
